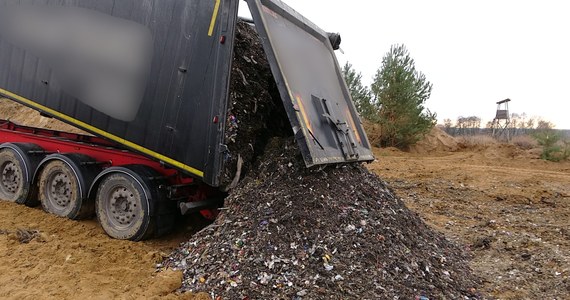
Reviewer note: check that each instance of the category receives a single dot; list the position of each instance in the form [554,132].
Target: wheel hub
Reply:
[11,180]
[123,206]
[60,190]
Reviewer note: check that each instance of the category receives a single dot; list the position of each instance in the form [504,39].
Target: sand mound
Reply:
[436,140]
[491,148]
[22,115]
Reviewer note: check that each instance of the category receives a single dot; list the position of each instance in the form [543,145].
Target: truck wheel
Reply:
[59,190]
[13,184]
[123,208]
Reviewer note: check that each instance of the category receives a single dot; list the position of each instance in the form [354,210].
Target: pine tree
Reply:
[401,92]
[361,95]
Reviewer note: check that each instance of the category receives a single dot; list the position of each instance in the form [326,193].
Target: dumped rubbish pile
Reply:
[288,232]
[255,109]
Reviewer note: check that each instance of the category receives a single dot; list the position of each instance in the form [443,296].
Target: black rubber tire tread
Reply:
[145,224]
[21,195]
[78,207]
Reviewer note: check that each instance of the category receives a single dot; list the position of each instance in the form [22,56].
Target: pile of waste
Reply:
[255,110]
[288,232]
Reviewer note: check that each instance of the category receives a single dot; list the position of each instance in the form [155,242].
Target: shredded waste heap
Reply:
[255,110]
[288,232]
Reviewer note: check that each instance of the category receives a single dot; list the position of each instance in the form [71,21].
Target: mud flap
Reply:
[316,98]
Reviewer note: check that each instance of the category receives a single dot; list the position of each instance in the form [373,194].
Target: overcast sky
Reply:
[474,52]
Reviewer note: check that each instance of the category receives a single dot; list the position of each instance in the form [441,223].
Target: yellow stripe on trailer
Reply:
[102,133]
[214,18]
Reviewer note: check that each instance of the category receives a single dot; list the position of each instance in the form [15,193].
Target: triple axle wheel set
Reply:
[127,200]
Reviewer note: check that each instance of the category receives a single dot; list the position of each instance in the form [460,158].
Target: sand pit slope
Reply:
[22,115]
[436,140]
[335,233]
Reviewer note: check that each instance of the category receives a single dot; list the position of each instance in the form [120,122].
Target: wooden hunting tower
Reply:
[502,120]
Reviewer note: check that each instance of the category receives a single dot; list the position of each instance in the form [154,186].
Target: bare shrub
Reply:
[524,142]
[476,141]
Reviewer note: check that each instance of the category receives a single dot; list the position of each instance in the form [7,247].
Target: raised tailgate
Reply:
[317,101]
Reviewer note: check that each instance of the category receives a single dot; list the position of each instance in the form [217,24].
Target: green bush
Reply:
[553,149]
[566,150]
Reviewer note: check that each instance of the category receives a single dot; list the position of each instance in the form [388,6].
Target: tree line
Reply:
[519,124]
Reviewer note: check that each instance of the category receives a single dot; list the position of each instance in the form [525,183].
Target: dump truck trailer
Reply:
[149,81]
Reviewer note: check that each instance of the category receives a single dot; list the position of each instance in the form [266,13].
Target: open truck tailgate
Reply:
[316,98]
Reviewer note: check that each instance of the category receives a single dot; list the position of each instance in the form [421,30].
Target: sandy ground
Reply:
[509,208]
[76,260]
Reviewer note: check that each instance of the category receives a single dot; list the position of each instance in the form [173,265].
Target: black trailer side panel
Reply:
[152,75]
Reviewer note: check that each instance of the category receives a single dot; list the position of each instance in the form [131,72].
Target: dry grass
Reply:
[525,142]
[476,141]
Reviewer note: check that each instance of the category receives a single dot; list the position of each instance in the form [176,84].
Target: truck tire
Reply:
[14,186]
[123,207]
[60,192]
